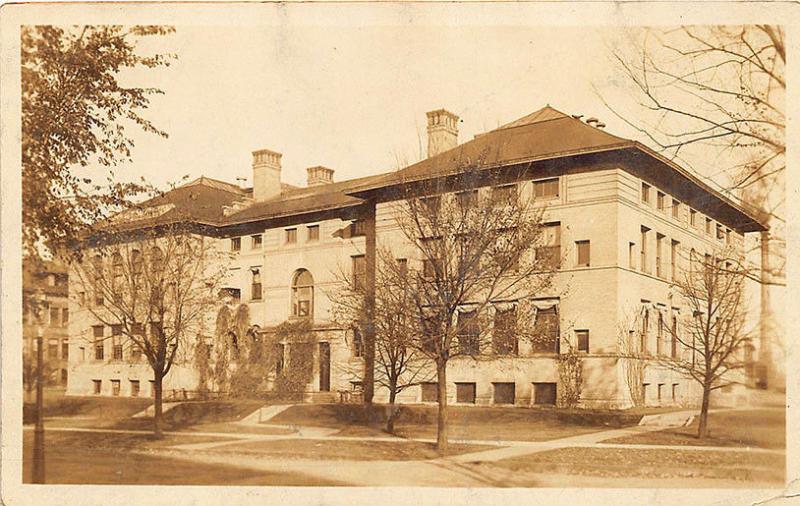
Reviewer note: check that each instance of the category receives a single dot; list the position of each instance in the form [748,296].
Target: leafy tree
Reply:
[76,114]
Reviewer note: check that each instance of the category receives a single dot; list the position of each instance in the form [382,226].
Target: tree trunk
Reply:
[702,430]
[441,432]
[392,408]
[157,405]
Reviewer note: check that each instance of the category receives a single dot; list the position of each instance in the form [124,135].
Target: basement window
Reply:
[504,393]
[544,394]
[465,393]
[429,392]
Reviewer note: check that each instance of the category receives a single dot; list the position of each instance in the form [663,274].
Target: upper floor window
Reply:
[583,252]
[546,330]
[546,189]
[676,209]
[708,226]
[55,316]
[256,241]
[504,334]
[236,244]
[431,206]
[661,202]
[313,232]
[255,283]
[302,294]
[359,271]
[468,332]
[720,233]
[548,255]
[643,263]
[291,236]
[358,228]
[402,266]
[358,343]
[645,193]
[51,280]
[467,199]
[632,255]
[692,217]
[728,236]
[582,338]
[505,194]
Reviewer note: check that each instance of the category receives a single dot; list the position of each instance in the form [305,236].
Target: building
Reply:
[621,216]
[49,280]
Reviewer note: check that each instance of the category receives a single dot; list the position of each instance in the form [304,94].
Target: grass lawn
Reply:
[656,463]
[485,423]
[762,428]
[73,459]
[346,450]
[86,408]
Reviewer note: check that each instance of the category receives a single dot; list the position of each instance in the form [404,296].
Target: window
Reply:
[291,236]
[98,342]
[676,209]
[55,317]
[51,280]
[432,251]
[255,283]
[359,271]
[431,206]
[661,202]
[116,270]
[582,337]
[115,388]
[280,351]
[728,236]
[673,259]
[720,233]
[643,261]
[233,293]
[468,332]
[645,193]
[256,241]
[156,330]
[548,255]
[97,386]
[358,343]
[429,392]
[645,330]
[135,388]
[673,351]
[467,199]
[544,394]
[137,266]
[546,330]
[357,386]
[674,391]
[64,317]
[152,388]
[504,195]
[236,244]
[136,353]
[660,335]
[65,350]
[659,255]
[63,376]
[302,294]
[708,226]
[402,266]
[632,255]
[660,391]
[465,393]
[52,350]
[358,228]
[546,189]
[504,335]
[504,393]
[313,233]
[692,218]
[116,345]
[583,251]
[117,351]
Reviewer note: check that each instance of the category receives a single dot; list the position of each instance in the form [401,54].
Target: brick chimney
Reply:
[266,174]
[442,131]
[319,175]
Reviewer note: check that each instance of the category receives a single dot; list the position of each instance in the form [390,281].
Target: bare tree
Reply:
[399,365]
[712,338]
[153,288]
[476,249]
[634,362]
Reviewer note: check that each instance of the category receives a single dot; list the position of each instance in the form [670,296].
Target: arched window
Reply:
[302,294]
[116,270]
[136,265]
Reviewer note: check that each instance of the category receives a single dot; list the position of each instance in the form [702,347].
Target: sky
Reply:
[354,98]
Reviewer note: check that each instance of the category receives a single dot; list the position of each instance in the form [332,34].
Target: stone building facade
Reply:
[622,218]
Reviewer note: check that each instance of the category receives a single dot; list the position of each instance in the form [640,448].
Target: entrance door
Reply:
[324,367]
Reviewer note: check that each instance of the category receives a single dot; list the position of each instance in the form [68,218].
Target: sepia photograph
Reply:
[450,246]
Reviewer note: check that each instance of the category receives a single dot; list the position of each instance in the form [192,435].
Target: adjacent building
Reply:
[621,220]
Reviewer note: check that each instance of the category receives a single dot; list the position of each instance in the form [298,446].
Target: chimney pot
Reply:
[319,175]
[442,131]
